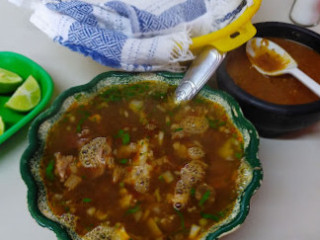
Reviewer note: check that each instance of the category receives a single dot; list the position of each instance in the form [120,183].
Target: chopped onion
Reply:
[146,214]
[137,215]
[168,177]
[157,195]
[180,150]
[101,215]
[121,233]
[91,211]
[136,105]
[203,222]
[72,182]
[160,137]
[154,227]
[126,201]
[194,231]
[162,109]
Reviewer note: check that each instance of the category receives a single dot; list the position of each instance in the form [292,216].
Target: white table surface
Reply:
[286,207]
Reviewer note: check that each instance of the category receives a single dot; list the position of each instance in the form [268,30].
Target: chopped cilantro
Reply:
[222,214]
[192,192]
[79,125]
[89,227]
[84,117]
[86,200]
[238,155]
[116,94]
[158,95]
[199,100]
[210,216]
[215,123]
[112,94]
[181,220]
[234,135]
[124,161]
[125,137]
[204,198]
[178,129]
[133,210]
[49,170]
[78,96]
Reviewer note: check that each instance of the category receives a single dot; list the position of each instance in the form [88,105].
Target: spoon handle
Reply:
[200,71]
[306,80]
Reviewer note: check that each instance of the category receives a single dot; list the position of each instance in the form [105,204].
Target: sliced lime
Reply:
[1,126]
[26,97]
[9,81]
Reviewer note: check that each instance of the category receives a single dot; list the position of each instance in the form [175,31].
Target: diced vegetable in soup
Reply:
[131,164]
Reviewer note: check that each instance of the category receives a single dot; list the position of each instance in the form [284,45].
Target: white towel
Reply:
[133,35]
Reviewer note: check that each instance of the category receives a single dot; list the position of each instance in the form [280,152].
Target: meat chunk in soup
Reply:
[93,154]
[191,174]
[139,175]
[62,166]
[195,124]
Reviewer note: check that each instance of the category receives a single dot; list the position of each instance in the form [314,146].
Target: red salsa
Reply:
[283,89]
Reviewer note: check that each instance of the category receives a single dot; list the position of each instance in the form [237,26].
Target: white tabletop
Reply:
[286,207]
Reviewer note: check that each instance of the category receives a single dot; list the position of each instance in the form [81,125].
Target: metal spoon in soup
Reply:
[270,59]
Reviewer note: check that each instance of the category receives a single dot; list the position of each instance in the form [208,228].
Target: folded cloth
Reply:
[133,35]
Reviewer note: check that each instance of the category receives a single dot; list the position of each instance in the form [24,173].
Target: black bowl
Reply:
[273,120]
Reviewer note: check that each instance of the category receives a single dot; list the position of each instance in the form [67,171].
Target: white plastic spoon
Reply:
[270,59]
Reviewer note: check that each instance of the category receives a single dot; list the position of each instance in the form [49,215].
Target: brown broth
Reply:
[284,89]
[96,199]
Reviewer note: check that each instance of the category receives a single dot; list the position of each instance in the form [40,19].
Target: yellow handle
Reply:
[235,39]
[231,36]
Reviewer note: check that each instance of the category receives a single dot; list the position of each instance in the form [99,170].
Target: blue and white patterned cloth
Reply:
[133,35]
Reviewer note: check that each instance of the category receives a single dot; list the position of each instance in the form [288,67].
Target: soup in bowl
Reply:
[119,159]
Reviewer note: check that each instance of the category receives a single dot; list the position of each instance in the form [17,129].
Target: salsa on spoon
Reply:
[270,59]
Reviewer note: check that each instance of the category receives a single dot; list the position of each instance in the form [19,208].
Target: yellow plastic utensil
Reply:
[210,50]
[233,35]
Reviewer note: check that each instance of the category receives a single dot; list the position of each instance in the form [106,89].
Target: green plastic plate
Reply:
[24,67]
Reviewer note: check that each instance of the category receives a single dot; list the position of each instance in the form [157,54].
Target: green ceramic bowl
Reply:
[24,67]
[250,169]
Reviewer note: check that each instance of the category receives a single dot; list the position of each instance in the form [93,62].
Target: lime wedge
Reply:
[9,81]
[1,126]
[26,97]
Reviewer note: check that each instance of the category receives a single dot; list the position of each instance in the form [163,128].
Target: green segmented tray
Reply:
[24,67]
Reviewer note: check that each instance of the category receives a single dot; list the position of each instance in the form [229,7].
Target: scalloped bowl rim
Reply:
[248,131]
